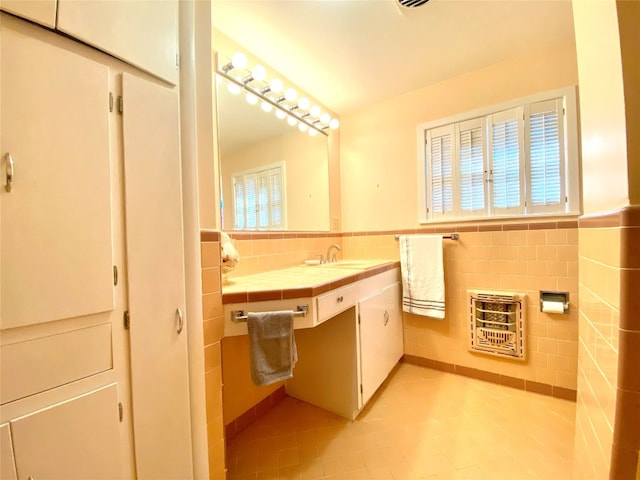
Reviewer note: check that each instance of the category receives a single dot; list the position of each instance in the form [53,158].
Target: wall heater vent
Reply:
[496,323]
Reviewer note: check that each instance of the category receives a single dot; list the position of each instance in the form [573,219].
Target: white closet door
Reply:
[55,235]
[141,32]
[76,439]
[381,342]
[7,461]
[153,204]
[40,11]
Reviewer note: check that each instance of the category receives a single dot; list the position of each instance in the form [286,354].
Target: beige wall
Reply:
[602,112]
[598,365]
[379,144]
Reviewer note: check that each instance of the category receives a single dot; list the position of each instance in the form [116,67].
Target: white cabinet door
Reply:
[76,439]
[381,341]
[7,461]
[55,235]
[39,11]
[142,32]
[153,205]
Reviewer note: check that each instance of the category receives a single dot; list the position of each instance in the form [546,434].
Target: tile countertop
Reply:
[301,282]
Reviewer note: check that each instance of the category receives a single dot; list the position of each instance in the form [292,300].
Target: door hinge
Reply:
[178,60]
[110,102]
[120,104]
[115,275]
[361,390]
[120,411]
[358,319]
[126,320]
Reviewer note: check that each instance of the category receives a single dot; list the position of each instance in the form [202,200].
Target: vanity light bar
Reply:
[244,83]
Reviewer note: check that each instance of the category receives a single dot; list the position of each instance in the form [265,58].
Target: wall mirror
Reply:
[258,152]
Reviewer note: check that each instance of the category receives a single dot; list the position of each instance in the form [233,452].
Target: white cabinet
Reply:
[159,368]
[55,231]
[81,173]
[39,11]
[381,343]
[76,439]
[143,32]
[7,461]
[358,340]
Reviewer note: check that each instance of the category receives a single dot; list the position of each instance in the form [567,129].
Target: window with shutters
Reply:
[515,159]
[258,197]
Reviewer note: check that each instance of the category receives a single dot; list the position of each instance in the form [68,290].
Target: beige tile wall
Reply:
[213,332]
[599,265]
[271,251]
[508,260]
[608,410]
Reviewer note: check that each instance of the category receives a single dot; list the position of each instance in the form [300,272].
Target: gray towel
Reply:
[272,347]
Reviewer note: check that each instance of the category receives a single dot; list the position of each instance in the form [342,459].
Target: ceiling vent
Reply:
[411,3]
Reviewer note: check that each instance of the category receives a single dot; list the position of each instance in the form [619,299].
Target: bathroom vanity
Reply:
[348,326]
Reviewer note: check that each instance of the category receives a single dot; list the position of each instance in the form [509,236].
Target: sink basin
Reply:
[355,264]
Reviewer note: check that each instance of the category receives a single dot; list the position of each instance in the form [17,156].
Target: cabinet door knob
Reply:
[386,318]
[340,299]
[180,320]
[9,172]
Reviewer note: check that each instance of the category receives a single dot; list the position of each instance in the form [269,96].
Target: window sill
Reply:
[538,218]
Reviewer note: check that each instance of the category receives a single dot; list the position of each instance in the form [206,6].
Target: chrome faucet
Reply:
[329,258]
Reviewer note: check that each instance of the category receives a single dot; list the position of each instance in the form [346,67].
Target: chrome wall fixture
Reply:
[272,95]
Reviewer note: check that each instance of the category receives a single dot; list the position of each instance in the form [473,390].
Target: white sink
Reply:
[355,264]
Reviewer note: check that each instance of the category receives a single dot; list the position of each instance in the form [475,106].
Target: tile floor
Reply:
[421,424]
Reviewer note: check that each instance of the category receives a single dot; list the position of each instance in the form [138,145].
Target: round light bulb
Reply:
[325,118]
[251,98]
[266,107]
[280,114]
[303,127]
[234,88]
[304,103]
[239,60]
[290,95]
[315,111]
[259,73]
[334,124]
[291,121]
[313,132]
[276,85]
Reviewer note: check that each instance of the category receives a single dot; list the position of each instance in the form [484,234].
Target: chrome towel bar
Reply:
[238,316]
[453,236]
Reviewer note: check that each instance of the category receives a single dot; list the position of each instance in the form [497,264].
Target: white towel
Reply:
[272,347]
[422,275]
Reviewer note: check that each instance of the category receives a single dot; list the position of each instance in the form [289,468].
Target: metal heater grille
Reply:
[496,323]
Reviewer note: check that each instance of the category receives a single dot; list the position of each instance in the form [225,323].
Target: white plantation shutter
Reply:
[275,205]
[263,200]
[546,157]
[251,201]
[238,200]
[517,159]
[440,171]
[472,167]
[259,198]
[506,162]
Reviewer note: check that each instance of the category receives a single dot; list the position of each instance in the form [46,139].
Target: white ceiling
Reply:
[349,54]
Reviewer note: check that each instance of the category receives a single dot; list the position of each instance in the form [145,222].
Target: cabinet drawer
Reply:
[336,301]
[40,364]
